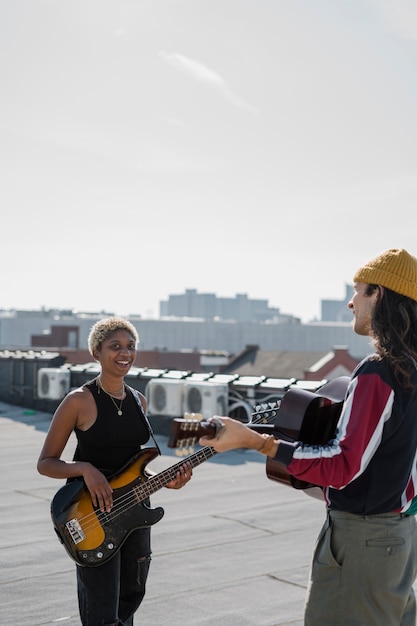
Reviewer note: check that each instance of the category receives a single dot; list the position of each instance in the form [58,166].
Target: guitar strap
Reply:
[142,412]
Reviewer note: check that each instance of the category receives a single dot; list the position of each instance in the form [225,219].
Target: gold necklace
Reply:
[121,392]
[117,395]
[118,408]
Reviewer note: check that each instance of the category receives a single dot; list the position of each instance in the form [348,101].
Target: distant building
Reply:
[55,331]
[208,306]
[236,350]
[337,310]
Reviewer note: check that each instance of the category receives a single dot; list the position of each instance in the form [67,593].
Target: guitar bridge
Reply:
[75,531]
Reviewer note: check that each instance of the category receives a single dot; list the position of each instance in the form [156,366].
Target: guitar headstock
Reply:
[265,413]
[185,432]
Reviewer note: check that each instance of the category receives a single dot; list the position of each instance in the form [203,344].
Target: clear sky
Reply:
[260,147]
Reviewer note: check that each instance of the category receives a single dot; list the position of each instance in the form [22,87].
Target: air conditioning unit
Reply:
[205,397]
[53,383]
[164,396]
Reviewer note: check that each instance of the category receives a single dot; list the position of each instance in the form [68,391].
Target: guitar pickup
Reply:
[75,531]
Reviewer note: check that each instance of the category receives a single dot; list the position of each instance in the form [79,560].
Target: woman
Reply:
[110,426]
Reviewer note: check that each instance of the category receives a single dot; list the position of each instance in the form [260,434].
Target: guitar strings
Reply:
[127,500]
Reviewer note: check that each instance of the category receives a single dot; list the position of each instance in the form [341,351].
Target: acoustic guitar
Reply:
[301,415]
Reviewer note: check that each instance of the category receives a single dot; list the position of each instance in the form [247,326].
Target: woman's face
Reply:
[117,353]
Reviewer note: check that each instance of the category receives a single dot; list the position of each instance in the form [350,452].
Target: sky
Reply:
[259,147]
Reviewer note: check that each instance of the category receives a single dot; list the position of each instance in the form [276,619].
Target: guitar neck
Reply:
[156,482]
[185,432]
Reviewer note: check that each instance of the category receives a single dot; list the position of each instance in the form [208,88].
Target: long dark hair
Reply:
[394,332]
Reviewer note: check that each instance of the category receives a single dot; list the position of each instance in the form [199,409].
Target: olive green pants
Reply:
[363,571]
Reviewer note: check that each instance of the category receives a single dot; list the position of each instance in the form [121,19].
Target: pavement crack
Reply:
[34,494]
[285,581]
[243,523]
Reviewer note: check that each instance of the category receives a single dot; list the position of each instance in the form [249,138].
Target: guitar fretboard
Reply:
[154,483]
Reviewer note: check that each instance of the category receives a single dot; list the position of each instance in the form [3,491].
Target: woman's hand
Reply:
[99,488]
[183,476]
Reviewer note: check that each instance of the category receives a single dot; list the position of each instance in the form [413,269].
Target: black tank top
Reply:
[113,439]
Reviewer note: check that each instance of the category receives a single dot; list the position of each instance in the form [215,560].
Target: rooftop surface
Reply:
[233,548]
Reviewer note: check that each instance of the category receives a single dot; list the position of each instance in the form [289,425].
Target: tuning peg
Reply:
[182,451]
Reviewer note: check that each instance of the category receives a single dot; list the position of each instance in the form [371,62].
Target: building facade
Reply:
[170,334]
[208,306]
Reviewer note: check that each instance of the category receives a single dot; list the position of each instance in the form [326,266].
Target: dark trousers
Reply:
[111,593]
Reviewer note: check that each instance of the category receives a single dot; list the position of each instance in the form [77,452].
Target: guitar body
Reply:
[92,537]
[310,417]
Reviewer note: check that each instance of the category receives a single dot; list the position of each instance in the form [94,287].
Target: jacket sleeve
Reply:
[367,407]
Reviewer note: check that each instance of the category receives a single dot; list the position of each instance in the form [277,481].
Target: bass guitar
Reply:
[92,537]
[301,415]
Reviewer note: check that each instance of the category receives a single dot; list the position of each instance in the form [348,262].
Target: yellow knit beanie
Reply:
[395,269]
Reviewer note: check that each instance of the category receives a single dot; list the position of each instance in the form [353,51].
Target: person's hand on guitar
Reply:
[182,478]
[232,434]
[97,484]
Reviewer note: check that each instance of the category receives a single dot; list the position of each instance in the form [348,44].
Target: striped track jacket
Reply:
[370,465]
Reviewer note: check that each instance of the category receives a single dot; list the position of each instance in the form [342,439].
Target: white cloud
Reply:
[193,68]
[202,73]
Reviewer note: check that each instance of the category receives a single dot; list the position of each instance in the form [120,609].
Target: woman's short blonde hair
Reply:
[103,329]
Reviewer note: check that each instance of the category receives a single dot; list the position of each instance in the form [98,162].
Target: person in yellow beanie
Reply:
[365,559]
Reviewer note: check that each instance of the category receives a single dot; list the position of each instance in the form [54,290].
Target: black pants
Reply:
[111,593]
